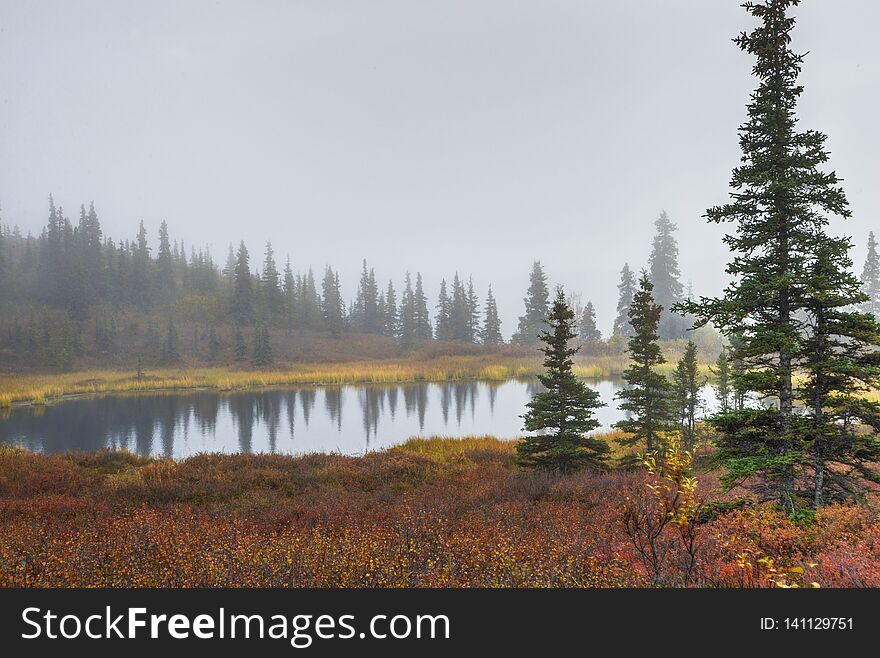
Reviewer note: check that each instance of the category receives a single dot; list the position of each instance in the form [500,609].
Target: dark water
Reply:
[345,419]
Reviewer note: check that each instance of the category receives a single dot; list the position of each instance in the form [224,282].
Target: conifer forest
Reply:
[532,313]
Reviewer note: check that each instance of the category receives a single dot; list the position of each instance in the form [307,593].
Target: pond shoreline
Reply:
[290,419]
[23,390]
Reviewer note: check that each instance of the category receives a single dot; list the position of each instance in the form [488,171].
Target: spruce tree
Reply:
[270,285]
[141,276]
[407,312]
[241,305]
[871,277]
[537,303]
[333,306]
[291,303]
[721,371]
[459,316]
[229,269]
[646,396]
[780,203]
[443,319]
[92,285]
[491,332]
[473,312]
[165,266]
[686,385]
[391,319]
[588,331]
[664,273]
[365,315]
[841,360]
[625,291]
[563,414]
[310,303]
[421,318]
[261,354]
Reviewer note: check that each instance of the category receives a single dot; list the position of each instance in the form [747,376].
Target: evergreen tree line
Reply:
[73,267]
[795,423]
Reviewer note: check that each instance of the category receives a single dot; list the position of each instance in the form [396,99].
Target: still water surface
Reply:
[345,419]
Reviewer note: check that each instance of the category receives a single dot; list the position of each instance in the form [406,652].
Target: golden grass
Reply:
[41,389]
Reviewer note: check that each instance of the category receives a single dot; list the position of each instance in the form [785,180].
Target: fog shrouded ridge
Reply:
[434,137]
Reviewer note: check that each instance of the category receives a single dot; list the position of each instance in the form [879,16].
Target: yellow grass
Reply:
[41,389]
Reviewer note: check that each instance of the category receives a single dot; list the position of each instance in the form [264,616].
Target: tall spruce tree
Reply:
[390,318]
[459,316]
[537,303]
[141,271]
[421,318]
[165,265]
[491,331]
[443,319]
[686,385]
[780,203]
[588,331]
[647,395]
[241,305]
[841,360]
[563,414]
[270,286]
[871,278]
[625,291]
[664,273]
[310,303]
[290,303]
[473,312]
[333,306]
[408,312]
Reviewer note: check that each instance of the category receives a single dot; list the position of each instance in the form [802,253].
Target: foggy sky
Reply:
[468,135]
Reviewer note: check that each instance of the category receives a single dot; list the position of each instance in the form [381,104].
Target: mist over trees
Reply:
[871,277]
[537,305]
[665,276]
[73,268]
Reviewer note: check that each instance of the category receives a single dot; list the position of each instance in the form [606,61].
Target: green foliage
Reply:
[664,274]
[241,306]
[261,353]
[564,413]
[490,334]
[588,331]
[333,306]
[625,291]
[647,396]
[537,303]
[686,386]
[785,269]
[721,371]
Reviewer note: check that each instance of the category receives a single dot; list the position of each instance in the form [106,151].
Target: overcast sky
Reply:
[468,135]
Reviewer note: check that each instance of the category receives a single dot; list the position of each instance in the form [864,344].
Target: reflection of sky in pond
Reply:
[345,419]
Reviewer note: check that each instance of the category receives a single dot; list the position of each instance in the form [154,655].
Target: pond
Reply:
[344,419]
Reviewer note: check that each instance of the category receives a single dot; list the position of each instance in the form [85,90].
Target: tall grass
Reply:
[42,389]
